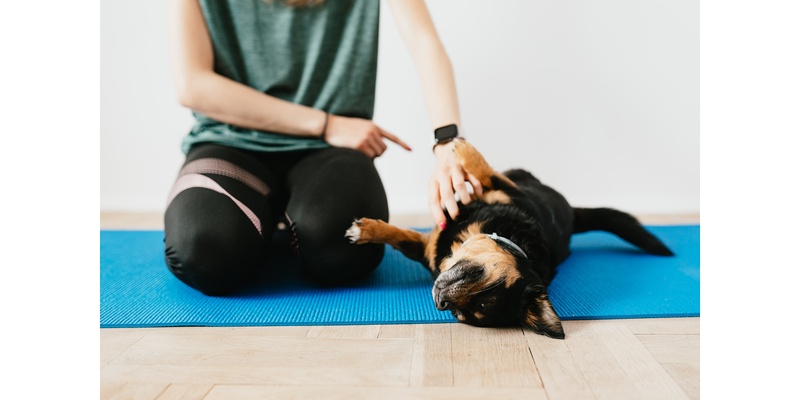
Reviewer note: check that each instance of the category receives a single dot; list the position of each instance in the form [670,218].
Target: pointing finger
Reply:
[395,139]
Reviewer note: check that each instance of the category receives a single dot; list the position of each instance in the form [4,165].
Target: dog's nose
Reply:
[442,302]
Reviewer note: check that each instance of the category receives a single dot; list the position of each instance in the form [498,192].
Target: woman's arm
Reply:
[438,84]
[201,89]
[198,87]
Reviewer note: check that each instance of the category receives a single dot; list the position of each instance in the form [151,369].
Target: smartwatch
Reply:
[445,134]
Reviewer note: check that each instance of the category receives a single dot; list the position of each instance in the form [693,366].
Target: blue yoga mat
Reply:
[604,278]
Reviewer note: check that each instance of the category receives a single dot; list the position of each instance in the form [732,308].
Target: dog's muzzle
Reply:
[452,287]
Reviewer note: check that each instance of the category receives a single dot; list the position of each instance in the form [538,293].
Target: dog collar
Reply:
[497,238]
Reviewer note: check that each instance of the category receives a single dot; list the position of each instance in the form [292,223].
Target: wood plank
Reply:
[664,326]
[276,331]
[250,350]
[112,344]
[492,357]
[345,331]
[131,220]
[687,376]
[185,392]
[616,365]
[250,359]
[131,391]
[432,361]
[680,357]
[558,369]
[225,392]
[398,331]
[410,221]
[343,375]
[673,349]
[669,219]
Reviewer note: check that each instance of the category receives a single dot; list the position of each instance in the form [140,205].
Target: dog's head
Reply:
[490,281]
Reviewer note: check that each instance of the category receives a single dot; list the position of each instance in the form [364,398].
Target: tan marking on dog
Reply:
[430,247]
[472,230]
[531,319]
[475,164]
[547,315]
[430,251]
[495,197]
[497,263]
[478,315]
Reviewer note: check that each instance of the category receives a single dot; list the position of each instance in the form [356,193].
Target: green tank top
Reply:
[323,57]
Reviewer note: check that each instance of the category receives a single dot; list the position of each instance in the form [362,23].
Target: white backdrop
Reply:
[598,99]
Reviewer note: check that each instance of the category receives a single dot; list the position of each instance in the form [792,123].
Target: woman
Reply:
[283,95]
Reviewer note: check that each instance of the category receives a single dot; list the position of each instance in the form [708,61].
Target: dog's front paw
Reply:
[361,231]
[472,161]
[354,232]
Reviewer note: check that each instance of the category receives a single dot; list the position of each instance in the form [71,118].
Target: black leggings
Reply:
[226,204]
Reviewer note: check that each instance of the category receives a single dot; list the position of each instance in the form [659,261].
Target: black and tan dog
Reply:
[492,265]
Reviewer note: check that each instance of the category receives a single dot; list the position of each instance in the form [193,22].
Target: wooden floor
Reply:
[611,359]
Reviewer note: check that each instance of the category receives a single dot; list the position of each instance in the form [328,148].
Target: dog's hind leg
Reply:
[412,244]
[474,163]
[622,224]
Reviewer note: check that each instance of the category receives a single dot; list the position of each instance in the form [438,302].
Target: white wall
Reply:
[599,99]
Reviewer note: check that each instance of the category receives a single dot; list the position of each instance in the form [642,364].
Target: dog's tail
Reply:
[621,224]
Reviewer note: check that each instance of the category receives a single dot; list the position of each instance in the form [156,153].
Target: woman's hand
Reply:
[449,177]
[359,134]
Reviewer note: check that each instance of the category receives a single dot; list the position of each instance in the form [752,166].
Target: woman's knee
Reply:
[327,256]
[209,267]
[330,189]
[213,253]
[338,180]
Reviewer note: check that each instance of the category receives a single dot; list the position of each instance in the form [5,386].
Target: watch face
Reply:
[445,132]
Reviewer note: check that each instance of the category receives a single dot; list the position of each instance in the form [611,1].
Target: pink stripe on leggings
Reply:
[219,166]
[199,181]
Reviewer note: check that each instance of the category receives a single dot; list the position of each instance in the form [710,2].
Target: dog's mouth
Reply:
[480,305]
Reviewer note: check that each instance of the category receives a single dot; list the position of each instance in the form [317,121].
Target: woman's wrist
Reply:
[443,149]
[325,127]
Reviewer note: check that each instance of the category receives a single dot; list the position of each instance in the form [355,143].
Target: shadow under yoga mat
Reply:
[603,278]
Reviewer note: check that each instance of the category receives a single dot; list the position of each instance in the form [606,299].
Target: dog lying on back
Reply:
[492,265]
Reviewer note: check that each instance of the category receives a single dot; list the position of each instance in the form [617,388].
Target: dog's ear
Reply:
[538,313]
